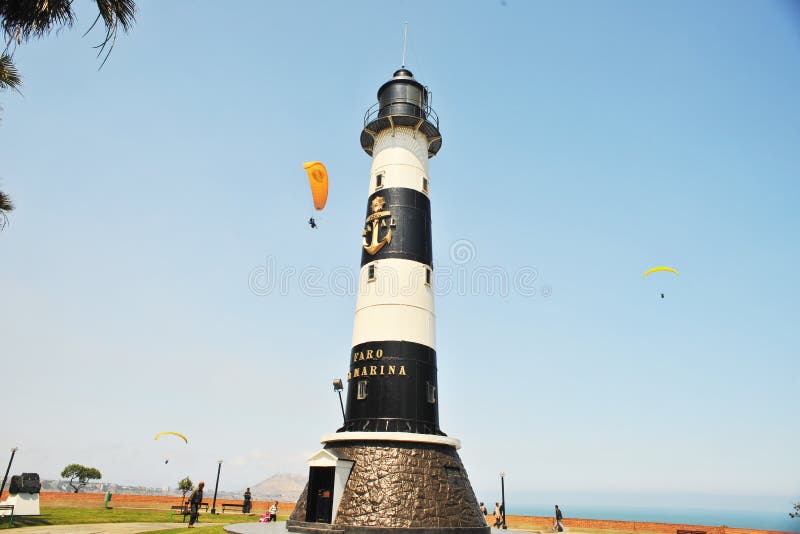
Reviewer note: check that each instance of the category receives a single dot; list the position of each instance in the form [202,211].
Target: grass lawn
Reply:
[76,516]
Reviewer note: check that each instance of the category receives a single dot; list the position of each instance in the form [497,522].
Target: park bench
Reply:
[202,506]
[184,509]
[177,508]
[239,507]
[11,515]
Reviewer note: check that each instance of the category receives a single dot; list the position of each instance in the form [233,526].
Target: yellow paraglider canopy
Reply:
[648,272]
[318,179]
[184,438]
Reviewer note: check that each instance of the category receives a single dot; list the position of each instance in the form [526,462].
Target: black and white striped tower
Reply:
[392,376]
[390,468]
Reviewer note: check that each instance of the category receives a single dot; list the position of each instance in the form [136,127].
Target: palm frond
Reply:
[9,75]
[5,202]
[23,20]
[26,19]
[115,13]
[5,206]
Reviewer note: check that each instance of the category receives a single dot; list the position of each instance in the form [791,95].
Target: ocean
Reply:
[756,519]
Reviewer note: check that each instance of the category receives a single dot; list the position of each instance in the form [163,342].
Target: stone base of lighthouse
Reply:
[371,486]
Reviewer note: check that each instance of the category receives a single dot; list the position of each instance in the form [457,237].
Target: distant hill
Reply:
[283,487]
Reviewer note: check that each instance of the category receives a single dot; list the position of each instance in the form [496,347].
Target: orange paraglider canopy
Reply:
[318,179]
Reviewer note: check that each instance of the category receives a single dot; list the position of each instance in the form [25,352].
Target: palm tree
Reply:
[5,206]
[22,20]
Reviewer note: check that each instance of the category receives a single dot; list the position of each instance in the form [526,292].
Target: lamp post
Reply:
[503,497]
[338,387]
[216,486]
[13,452]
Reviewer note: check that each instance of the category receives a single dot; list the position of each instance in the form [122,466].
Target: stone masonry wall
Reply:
[299,512]
[406,485]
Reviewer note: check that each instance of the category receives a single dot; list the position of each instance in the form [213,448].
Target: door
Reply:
[319,504]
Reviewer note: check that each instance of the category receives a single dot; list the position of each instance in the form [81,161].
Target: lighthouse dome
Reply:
[402,102]
[403,95]
[402,73]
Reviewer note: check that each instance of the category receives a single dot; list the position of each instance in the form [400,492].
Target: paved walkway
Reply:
[256,528]
[102,528]
[280,527]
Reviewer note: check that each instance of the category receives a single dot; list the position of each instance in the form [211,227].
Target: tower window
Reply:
[425,184]
[379,180]
[362,390]
[428,276]
[371,273]
[431,393]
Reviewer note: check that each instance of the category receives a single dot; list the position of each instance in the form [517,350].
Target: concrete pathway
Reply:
[102,528]
[280,527]
[256,528]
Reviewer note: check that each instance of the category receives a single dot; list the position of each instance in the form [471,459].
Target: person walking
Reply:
[246,504]
[498,516]
[273,512]
[194,504]
[558,526]
[484,511]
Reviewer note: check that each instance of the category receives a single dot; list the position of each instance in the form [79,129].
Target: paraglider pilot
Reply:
[318,180]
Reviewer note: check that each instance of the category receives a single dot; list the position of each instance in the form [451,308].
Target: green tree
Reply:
[79,475]
[796,512]
[5,206]
[185,486]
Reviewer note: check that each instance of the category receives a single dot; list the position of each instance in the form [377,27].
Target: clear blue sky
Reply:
[585,140]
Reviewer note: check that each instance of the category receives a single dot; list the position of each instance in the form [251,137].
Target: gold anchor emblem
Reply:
[376,220]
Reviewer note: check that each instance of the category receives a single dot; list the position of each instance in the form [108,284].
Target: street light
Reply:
[13,452]
[338,387]
[216,485]
[503,497]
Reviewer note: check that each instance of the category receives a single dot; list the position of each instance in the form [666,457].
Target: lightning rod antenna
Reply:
[405,33]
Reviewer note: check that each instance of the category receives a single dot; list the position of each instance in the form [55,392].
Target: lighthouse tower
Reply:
[390,468]
[392,376]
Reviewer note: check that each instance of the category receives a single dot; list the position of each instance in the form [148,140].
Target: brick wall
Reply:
[86,500]
[546,524]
